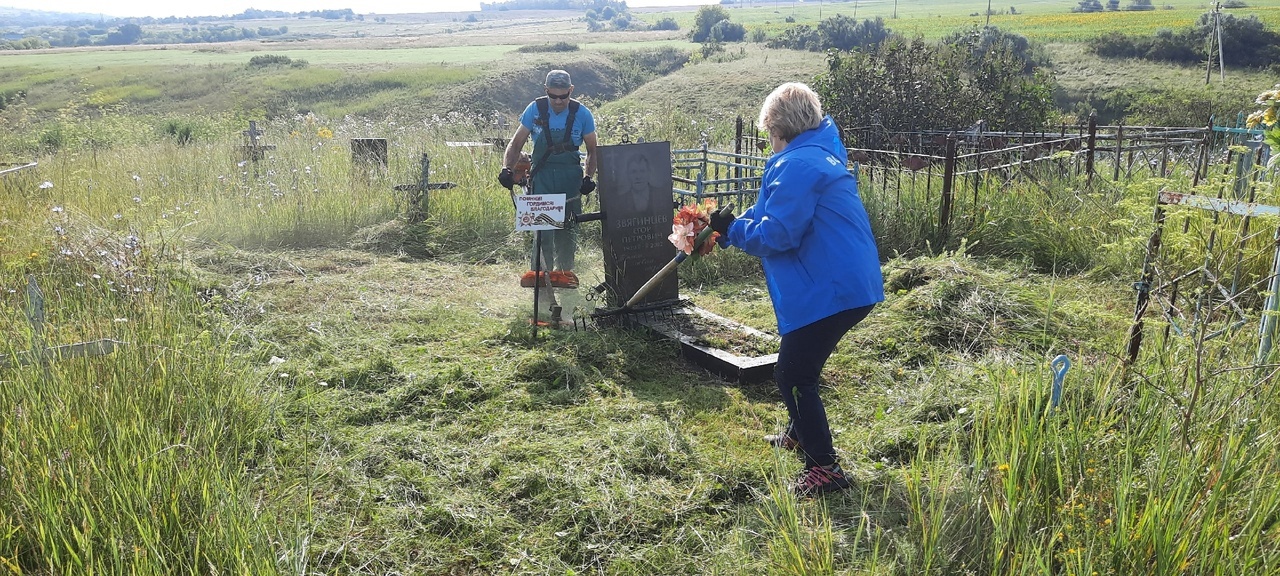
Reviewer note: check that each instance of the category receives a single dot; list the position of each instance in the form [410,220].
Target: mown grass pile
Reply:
[312,384]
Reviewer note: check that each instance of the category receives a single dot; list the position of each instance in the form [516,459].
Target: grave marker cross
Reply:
[39,353]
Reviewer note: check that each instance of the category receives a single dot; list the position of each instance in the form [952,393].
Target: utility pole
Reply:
[988,13]
[1215,37]
[895,9]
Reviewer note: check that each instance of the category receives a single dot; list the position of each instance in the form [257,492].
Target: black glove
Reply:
[587,185]
[507,178]
[721,220]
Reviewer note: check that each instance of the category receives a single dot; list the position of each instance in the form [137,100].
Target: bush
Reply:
[802,37]
[726,31]
[980,42]
[1245,42]
[707,17]
[180,131]
[838,32]
[549,47]
[264,60]
[897,85]
[666,24]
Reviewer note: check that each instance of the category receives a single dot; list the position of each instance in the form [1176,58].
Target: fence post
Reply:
[737,150]
[1143,286]
[948,180]
[1093,136]
[1119,151]
[1202,163]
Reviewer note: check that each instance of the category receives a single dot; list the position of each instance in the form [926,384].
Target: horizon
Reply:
[162,9]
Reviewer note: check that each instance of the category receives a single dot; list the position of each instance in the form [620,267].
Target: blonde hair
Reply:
[789,110]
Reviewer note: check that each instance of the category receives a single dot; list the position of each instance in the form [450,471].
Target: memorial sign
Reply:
[636,198]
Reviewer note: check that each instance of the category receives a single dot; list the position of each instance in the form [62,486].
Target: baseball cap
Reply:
[558,79]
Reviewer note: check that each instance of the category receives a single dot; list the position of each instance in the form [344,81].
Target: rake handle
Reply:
[655,280]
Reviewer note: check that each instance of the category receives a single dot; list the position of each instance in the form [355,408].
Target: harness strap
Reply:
[544,120]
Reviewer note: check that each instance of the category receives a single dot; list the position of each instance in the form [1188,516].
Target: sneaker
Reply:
[527,279]
[564,279]
[820,480]
[783,441]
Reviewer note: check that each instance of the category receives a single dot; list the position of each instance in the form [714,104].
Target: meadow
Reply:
[311,384]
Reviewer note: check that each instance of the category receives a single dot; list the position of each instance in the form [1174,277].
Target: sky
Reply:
[162,8]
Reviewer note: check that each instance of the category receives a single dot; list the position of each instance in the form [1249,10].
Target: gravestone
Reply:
[636,198]
[369,152]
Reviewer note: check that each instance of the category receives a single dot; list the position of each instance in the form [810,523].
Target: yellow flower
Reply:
[1269,116]
[1002,468]
[1254,119]
[324,133]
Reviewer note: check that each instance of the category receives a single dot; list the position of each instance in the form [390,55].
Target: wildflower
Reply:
[136,199]
[117,216]
[324,133]
[57,209]
[46,185]
[137,178]
[1002,468]
[1253,120]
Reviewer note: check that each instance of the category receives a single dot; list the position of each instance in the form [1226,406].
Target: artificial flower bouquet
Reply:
[691,229]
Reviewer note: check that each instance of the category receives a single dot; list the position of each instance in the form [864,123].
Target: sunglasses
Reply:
[564,96]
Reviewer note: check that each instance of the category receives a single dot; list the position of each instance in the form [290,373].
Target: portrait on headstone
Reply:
[636,197]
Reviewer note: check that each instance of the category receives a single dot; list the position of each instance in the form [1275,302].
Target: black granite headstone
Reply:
[636,197]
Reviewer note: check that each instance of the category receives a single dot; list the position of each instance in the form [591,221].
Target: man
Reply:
[559,126]
[638,176]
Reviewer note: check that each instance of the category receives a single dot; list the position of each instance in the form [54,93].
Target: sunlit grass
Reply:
[313,384]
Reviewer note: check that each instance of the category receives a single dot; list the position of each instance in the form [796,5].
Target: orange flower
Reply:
[689,223]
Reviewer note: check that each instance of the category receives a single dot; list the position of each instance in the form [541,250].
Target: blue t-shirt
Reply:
[583,123]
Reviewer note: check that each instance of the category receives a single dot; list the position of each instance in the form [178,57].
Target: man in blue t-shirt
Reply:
[559,125]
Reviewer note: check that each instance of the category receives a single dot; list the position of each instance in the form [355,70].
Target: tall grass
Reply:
[288,404]
[134,462]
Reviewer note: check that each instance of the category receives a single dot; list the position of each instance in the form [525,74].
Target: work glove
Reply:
[587,185]
[721,220]
[507,178]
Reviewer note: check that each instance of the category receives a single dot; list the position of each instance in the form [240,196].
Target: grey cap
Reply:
[558,79]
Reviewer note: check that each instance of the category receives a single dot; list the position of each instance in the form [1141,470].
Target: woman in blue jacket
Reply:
[813,237]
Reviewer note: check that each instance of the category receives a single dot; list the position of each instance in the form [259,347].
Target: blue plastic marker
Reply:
[1060,365]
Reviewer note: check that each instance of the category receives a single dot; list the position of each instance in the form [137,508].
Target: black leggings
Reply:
[804,351]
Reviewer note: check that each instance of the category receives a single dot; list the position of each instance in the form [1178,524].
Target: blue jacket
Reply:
[811,232]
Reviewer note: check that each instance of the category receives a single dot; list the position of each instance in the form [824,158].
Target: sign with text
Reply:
[540,212]
[636,194]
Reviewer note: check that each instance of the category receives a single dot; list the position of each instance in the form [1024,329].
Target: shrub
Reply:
[666,24]
[549,47]
[726,31]
[707,17]
[897,84]
[179,130]
[264,60]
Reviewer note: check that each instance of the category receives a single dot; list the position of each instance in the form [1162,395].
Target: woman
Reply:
[813,237]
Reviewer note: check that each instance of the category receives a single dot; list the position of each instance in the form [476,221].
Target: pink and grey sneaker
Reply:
[817,480]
